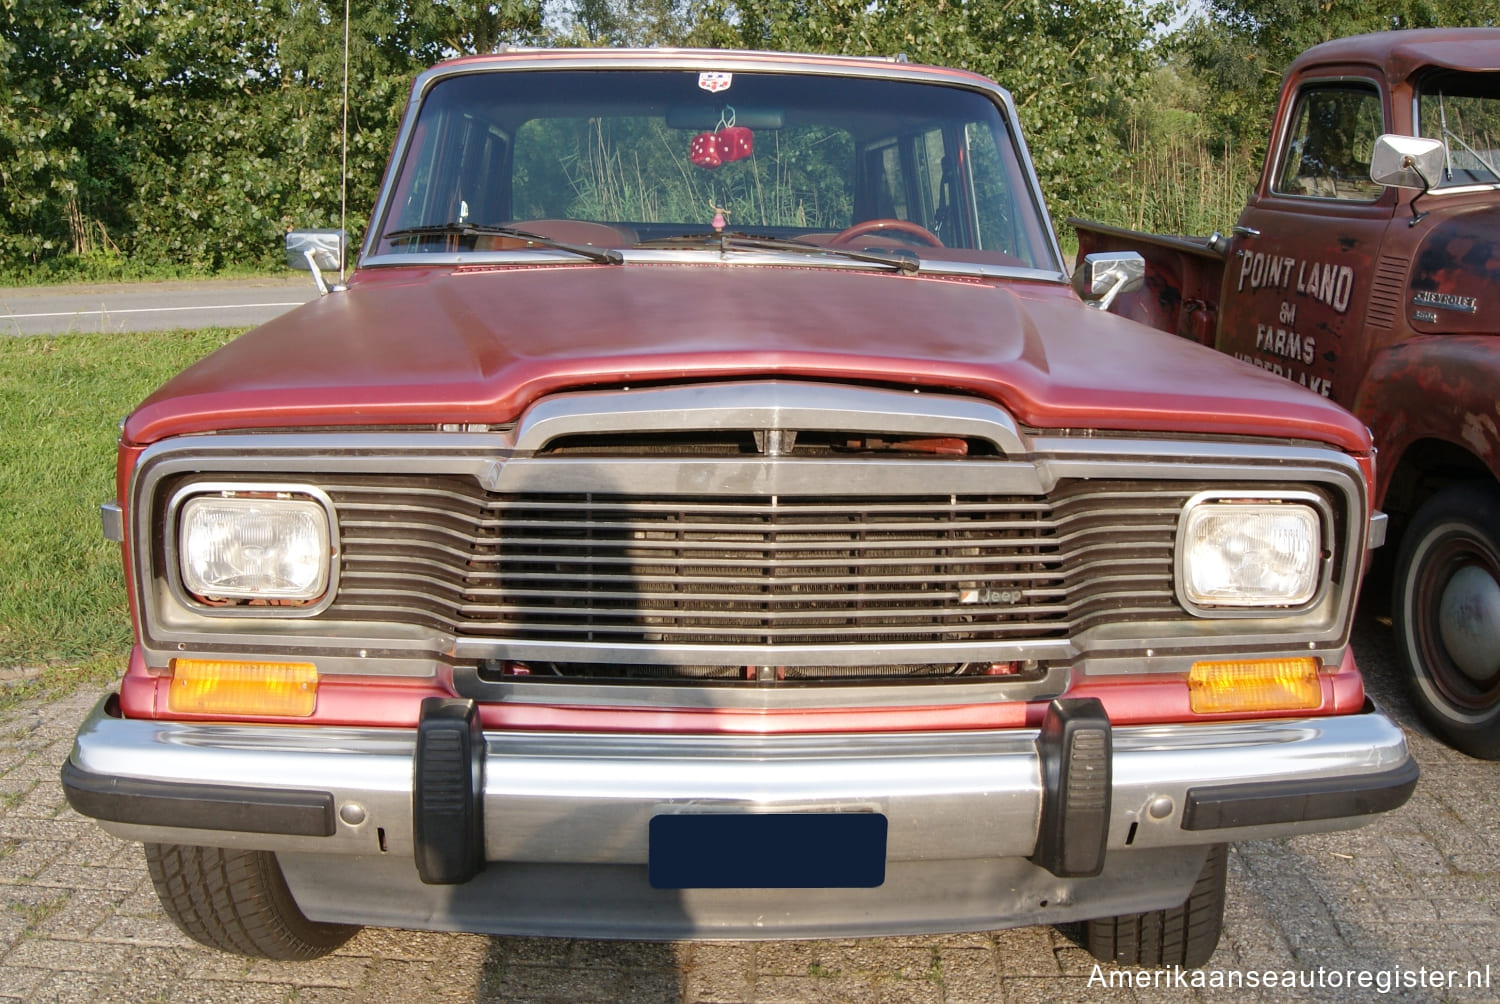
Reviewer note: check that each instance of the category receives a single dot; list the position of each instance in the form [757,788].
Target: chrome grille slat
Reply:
[351,591]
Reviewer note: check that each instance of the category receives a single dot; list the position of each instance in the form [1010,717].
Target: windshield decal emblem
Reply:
[713,83]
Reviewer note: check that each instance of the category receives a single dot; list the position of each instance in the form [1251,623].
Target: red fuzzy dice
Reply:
[735,143]
[704,150]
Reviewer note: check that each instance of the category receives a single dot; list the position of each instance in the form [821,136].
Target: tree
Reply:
[1241,48]
[623,22]
[197,132]
[66,107]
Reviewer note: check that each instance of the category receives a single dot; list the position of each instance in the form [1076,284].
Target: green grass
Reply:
[107,267]
[62,599]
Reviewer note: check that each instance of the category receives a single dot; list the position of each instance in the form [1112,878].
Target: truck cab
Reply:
[1382,298]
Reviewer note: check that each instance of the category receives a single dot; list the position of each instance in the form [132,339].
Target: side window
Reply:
[459,173]
[1327,153]
[887,179]
[912,177]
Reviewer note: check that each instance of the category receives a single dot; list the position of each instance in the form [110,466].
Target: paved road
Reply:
[150,306]
[1418,889]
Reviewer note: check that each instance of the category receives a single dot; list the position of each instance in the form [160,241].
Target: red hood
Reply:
[409,347]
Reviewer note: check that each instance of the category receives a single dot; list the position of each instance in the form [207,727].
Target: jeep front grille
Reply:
[754,571]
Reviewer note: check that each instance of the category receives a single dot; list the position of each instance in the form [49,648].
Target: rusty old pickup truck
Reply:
[708,511]
[1366,267]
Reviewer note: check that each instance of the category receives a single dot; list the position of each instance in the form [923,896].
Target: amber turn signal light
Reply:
[1254,685]
[206,686]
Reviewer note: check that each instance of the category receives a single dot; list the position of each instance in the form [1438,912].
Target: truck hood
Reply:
[478,344]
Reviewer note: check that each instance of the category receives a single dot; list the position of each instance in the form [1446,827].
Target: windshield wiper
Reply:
[903,261]
[606,256]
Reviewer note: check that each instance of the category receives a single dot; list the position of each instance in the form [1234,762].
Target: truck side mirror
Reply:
[316,250]
[1104,275]
[1407,161]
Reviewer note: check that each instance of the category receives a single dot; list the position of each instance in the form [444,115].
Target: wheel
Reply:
[237,901]
[1184,935]
[882,226]
[1445,606]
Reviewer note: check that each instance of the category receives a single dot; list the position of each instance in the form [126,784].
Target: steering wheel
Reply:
[868,227]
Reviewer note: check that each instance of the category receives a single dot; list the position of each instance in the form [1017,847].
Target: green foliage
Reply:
[623,22]
[194,134]
[1184,177]
[1242,48]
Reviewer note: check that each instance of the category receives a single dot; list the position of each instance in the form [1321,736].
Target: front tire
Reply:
[1445,607]
[1184,935]
[237,901]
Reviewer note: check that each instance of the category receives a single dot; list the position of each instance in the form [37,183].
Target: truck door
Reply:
[1305,252]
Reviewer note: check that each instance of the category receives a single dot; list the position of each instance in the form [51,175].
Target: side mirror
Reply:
[1104,275]
[315,251]
[1407,161]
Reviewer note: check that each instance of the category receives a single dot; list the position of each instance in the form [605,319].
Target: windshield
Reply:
[1463,110]
[636,158]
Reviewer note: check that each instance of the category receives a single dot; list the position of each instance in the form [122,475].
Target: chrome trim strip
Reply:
[746,696]
[1379,524]
[764,476]
[768,404]
[559,797]
[112,522]
[539,257]
[667,653]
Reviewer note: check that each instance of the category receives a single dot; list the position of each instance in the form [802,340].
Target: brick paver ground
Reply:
[1419,890]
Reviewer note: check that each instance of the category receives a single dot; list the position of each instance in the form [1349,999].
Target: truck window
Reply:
[1327,151]
[1463,110]
[459,166]
[919,177]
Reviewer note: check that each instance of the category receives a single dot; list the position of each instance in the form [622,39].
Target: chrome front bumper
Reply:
[556,811]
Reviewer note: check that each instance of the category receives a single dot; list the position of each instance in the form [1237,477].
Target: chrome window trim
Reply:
[542,257]
[1325,571]
[173,564]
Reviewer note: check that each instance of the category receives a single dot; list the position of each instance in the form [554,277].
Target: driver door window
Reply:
[1327,154]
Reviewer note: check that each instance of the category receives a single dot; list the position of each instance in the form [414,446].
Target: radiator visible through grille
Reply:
[754,571]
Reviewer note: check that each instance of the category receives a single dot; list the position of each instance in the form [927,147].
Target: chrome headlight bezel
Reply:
[236,602]
[1300,504]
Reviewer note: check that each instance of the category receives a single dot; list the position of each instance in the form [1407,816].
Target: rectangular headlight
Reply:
[1249,553]
[253,547]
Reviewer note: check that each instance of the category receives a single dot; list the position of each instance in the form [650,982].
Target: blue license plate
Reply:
[768,850]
